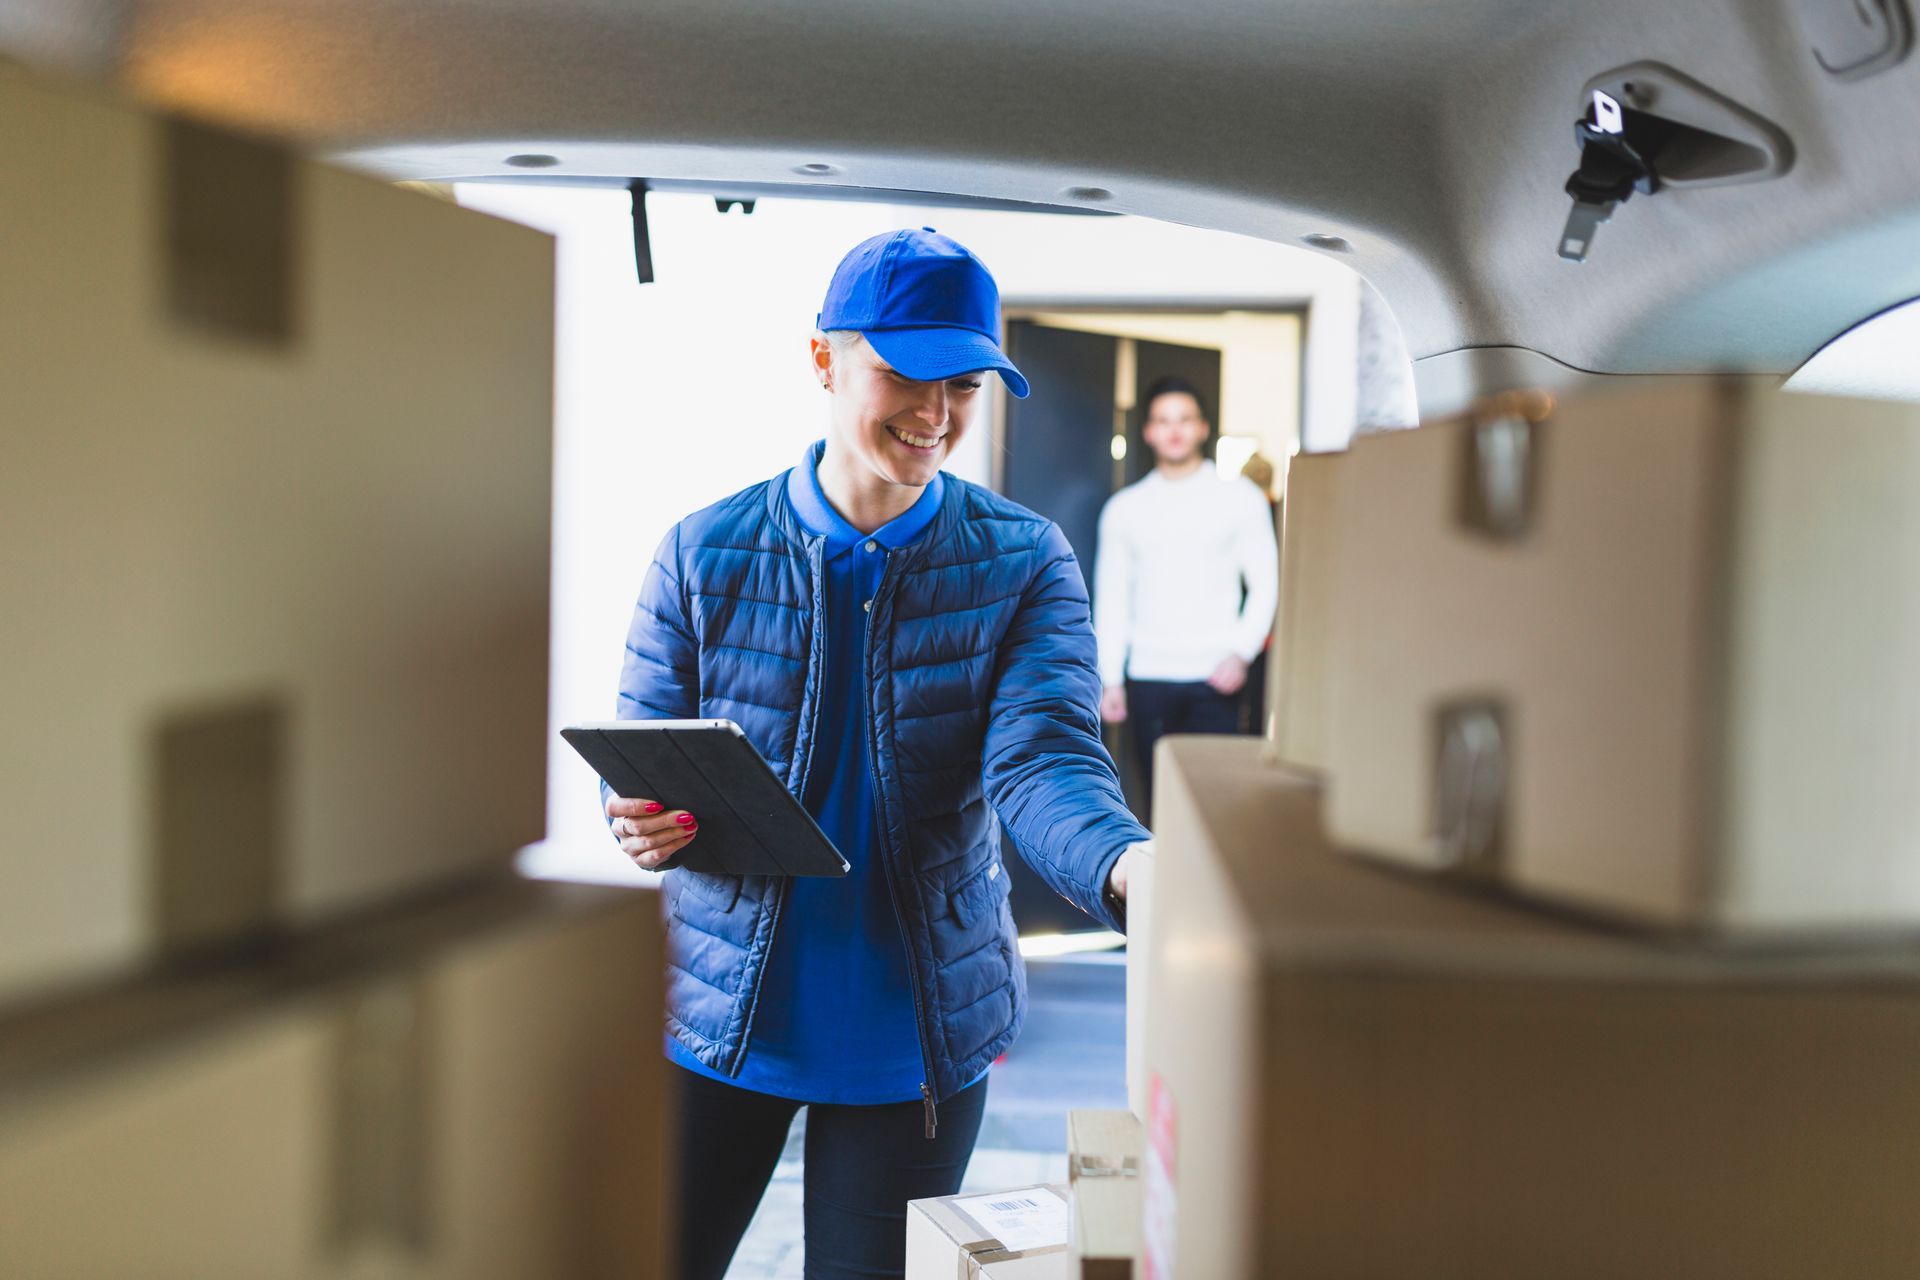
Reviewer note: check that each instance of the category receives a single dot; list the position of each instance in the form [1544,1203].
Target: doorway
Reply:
[1076,441]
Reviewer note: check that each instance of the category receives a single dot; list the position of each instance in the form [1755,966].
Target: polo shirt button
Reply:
[868,606]
[873,546]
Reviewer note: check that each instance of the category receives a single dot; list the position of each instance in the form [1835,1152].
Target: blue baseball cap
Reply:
[925,303]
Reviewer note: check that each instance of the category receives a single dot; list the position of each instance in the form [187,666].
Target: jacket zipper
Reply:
[886,863]
[815,653]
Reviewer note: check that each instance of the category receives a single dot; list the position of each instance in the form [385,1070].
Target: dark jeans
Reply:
[1160,707]
[862,1166]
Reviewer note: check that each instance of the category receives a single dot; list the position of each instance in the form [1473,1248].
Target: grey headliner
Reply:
[1432,134]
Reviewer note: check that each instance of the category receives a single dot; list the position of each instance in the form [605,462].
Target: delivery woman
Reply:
[913,654]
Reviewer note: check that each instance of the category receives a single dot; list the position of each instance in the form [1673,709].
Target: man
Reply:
[1185,584]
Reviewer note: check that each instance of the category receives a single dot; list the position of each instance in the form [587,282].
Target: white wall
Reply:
[675,394]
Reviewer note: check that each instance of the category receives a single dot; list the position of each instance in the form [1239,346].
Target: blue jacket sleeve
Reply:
[1046,771]
[660,676]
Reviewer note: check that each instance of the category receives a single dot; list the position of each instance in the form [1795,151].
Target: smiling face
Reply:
[890,428]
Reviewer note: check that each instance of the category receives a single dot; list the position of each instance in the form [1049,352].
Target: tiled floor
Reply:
[1070,1056]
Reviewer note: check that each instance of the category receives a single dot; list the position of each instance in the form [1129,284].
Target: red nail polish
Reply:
[652,806]
[686,819]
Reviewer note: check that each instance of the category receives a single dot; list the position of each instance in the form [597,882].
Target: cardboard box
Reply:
[277,478]
[1103,1183]
[1671,673]
[1140,872]
[1018,1234]
[1297,684]
[1362,1073]
[468,1091]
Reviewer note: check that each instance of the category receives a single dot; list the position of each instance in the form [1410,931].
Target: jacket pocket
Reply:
[718,891]
[979,894]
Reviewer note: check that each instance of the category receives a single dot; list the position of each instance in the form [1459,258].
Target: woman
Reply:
[913,654]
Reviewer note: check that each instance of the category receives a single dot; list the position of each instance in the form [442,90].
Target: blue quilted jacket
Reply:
[983,699]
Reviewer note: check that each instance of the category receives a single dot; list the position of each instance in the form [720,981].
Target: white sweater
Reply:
[1167,583]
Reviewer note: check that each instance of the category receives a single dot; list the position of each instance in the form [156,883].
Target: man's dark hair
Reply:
[1171,386]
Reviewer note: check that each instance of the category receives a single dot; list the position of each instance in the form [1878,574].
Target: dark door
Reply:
[1059,462]
[1059,440]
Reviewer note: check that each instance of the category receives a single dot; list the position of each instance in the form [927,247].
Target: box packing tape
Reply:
[1105,1167]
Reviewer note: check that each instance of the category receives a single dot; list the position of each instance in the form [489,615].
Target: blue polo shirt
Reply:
[835,1022]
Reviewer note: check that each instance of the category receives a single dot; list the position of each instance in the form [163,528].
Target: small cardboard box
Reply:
[1020,1234]
[1103,1181]
[1361,1073]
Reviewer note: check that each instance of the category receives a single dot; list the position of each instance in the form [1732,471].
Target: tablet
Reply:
[750,824]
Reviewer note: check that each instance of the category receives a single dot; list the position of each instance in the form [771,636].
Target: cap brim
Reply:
[929,355]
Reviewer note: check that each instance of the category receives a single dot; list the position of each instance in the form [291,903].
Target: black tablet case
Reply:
[750,824]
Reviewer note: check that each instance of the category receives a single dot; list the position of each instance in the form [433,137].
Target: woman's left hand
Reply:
[648,831]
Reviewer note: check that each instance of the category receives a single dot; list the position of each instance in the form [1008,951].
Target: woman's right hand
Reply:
[648,831]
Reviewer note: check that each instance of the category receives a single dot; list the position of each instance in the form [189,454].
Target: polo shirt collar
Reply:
[818,517]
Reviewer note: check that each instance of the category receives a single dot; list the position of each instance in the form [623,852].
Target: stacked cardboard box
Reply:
[1296,718]
[1652,652]
[1361,1073]
[277,476]
[470,1089]
[1103,1183]
[1140,876]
